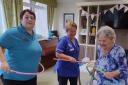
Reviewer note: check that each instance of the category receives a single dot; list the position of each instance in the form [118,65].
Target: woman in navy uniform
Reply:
[68,49]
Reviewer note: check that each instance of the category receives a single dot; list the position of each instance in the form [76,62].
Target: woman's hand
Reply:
[111,75]
[66,57]
[108,75]
[73,60]
[4,66]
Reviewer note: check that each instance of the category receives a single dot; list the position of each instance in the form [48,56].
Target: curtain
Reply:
[8,9]
[2,19]
[50,17]
[18,8]
[12,9]
[52,4]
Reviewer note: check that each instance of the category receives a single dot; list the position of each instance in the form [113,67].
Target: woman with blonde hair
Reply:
[68,49]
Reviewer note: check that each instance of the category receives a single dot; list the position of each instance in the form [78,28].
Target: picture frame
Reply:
[68,17]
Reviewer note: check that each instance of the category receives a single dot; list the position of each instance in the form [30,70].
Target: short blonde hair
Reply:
[107,32]
[69,25]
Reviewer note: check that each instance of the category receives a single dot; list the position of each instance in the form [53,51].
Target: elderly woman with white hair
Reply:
[111,63]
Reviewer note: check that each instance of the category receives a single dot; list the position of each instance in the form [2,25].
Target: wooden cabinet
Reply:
[48,52]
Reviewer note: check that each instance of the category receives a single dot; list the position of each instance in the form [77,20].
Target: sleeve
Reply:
[122,63]
[61,46]
[5,40]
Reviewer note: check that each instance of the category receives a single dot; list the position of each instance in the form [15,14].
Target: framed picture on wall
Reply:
[68,17]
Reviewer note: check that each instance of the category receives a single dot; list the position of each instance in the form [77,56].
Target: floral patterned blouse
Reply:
[114,60]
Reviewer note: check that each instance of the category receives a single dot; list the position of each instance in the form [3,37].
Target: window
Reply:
[41,26]
[3,26]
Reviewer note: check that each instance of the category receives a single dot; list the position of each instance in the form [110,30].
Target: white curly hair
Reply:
[108,32]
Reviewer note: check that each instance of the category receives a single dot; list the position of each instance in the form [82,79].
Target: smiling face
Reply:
[106,37]
[71,32]
[71,29]
[28,21]
[105,42]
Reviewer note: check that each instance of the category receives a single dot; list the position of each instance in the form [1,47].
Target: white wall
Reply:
[65,6]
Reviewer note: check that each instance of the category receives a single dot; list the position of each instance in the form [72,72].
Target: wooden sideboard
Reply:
[48,52]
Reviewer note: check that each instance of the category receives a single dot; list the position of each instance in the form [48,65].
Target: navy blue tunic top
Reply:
[65,46]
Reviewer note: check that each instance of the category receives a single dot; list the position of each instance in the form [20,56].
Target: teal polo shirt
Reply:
[22,52]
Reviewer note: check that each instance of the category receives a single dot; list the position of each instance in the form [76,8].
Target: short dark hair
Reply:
[27,10]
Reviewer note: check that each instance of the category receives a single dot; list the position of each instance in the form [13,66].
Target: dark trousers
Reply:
[15,82]
[64,80]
